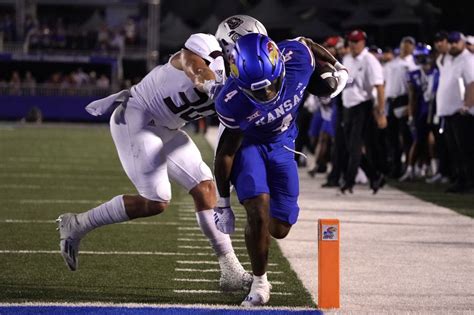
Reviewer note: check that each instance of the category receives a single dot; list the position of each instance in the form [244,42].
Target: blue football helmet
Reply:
[422,53]
[258,68]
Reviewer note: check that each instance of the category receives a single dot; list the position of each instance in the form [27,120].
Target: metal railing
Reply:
[48,89]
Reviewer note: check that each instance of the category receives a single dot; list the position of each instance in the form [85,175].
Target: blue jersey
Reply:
[425,86]
[276,122]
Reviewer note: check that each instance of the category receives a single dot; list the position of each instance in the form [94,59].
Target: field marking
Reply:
[18,186]
[79,201]
[123,223]
[86,252]
[214,270]
[212,262]
[217,291]
[206,247]
[62,176]
[212,280]
[192,228]
[200,235]
[204,240]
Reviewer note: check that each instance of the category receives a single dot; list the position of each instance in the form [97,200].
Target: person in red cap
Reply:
[361,118]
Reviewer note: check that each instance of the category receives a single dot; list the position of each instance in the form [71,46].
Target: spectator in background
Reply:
[360,115]
[336,46]
[387,55]
[103,38]
[455,104]
[470,43]
[29,84]
[441,150]
[421,87]
[130,31]
[396,93]
[103,82]
[118,42]
[15,83]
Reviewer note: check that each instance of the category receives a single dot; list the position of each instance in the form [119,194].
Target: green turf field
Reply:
[461,203]
[52,169]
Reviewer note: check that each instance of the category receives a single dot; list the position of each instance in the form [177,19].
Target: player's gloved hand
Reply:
[343,75]
[212,88]
[224,216]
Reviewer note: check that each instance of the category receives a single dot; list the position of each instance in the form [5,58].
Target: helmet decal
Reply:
[234,22]
[272,52]
[234,71]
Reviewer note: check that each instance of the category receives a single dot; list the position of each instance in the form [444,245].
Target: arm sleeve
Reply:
[374,71]
[468,70]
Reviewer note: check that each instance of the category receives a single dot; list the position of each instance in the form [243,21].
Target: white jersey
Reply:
[170,96]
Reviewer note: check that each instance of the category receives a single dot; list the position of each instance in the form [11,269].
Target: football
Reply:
[323,82]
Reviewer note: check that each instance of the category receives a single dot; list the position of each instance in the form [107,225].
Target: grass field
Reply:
[52,169]
[461,203]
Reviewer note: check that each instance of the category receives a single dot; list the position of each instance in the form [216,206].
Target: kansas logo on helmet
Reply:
[233,68]
[272,52]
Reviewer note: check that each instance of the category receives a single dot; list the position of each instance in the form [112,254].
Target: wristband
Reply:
[339,66]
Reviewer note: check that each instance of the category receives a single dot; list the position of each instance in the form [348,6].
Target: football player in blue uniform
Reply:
[258,106]
[422,85]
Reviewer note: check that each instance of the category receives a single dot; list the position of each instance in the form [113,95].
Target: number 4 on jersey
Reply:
[285,123]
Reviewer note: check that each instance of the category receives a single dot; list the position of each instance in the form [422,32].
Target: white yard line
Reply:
[207,247]
[13,221]
[214,270]
[205,240]
[211,262]
[86,252]
[220,292]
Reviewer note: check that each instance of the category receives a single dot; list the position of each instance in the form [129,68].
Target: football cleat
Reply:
[259,294]
[233,275]
[70,239]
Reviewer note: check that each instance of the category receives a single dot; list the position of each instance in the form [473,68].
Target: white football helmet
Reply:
[233,28]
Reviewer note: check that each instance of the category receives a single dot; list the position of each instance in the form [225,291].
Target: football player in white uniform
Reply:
[145,126]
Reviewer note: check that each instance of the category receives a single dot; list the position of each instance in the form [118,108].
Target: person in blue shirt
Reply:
[258,106]
[422,85]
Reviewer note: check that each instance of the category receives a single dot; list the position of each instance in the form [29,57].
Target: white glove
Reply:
[224,216]
[343,75]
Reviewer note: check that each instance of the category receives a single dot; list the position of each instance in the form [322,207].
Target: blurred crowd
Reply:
[77,82]
[407,113]
[53,33]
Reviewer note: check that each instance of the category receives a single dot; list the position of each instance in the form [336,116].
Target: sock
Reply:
[112,211]
[220,242]
[409,169]
[260,279]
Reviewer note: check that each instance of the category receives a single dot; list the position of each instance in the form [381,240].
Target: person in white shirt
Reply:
[396,93]
[365,74]
[455,104]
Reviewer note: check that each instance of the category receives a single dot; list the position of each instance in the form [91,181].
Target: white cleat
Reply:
[70,239]
[259,295]
[233,275]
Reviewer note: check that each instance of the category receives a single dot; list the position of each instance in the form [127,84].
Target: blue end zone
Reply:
[86,310]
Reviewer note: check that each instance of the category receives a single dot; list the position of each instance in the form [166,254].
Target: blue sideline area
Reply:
[56,108]
[86,310]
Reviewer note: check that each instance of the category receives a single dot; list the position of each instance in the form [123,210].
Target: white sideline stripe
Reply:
[210,280]
[210,262]
[85,252]
[53,221]
[158,306]
[216,291]
[214,270]
[206,247]
[189,228]
[200,235]
[204,240]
